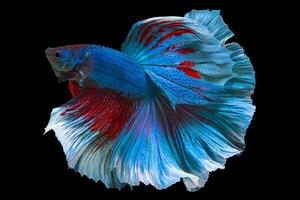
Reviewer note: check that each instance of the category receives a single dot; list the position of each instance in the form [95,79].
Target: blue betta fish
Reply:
[173,104]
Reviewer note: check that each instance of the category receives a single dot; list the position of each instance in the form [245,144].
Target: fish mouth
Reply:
[50,54]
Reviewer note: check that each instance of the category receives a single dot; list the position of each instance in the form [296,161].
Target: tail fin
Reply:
[148,141]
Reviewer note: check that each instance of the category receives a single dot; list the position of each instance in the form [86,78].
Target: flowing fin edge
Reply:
[113,178]
[243,83]
[213,21]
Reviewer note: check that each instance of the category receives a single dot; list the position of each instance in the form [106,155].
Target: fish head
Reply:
[67,61]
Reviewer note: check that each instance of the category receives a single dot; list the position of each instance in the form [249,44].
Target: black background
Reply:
[41,169]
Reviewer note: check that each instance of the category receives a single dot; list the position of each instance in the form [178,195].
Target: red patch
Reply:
[185,66]
[190,72]
[140,29]
[105,110]
[149,39]
[146,32]
[145,29]
[185,51]
[74,88]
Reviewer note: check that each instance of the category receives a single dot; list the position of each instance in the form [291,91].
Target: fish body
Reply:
[117,71]
[105,67]
[173,104]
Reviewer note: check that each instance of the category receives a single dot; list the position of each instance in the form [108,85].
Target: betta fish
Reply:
[173,104]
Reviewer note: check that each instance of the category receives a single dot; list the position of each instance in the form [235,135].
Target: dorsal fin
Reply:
[189,49]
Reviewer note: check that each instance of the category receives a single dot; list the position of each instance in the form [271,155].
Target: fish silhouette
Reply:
[173,104]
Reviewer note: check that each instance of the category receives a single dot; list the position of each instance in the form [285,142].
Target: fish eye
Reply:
[57,54]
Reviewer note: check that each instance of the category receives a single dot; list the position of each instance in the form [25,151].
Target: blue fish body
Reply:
[172,105]
[117,71]
[105,67]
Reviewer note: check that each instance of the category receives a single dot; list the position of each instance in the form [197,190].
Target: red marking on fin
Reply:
[185,66]
[141,28]
[105,110]
[149,39]
[173,33]
[185,51]
[146,31]
[145,28]
[149,28]
[190,72]
[74,88]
